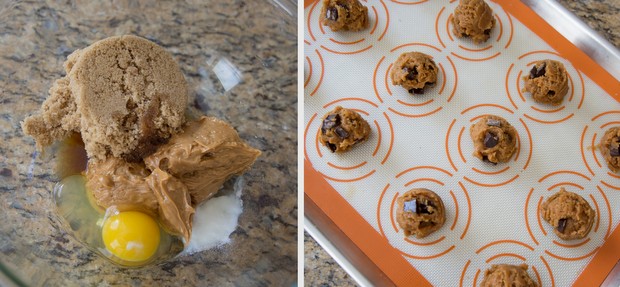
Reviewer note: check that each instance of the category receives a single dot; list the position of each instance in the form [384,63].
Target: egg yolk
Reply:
[131,235]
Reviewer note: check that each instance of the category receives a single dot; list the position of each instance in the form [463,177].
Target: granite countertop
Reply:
[602,16]
[240,61]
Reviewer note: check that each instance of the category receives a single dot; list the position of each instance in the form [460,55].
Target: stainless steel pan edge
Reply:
[353,261]
[578,33]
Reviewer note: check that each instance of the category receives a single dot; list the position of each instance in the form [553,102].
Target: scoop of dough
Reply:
[495,140]
[506,275]
[569,213]
[414,71]
[547,82]
[342,129]
[610,148]
[203,156]
[420,212]
[124,94]
[347,15]
[474,19]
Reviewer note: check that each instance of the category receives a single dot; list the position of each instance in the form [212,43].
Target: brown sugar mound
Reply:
[124,94]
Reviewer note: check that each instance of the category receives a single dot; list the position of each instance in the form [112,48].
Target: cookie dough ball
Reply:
[414,71]
[420,212]
[505,275]
[347,15]
[474,19]
[495,140]
[342,129]
[610,148]
[547,82]
[569,214]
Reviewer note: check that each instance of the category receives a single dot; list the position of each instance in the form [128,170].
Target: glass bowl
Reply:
[240,61]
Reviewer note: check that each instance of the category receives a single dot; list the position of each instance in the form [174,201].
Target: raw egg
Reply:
[131,236]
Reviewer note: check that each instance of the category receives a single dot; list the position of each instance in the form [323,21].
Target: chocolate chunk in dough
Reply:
[411,206]
[420,212]
[416,91]
[347,15]
[610,148]
[342,129]
[331,14]
[569,214]
[562,225]
[505,275]
[490,140]
[538,71]
[547,82]
[494,139]
[474,19]
[613,149]
[341,132]
[414,71]
[331,121]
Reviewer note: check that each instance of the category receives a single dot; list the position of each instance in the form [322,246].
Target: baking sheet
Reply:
[423,142]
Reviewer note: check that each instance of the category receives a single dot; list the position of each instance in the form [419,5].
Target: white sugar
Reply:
[215,220]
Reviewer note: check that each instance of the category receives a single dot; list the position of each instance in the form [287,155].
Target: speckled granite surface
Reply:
[602,16]
[36,37]
[320,269]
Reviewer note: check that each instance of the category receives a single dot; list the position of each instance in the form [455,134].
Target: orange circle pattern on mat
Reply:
[542,233]
[423,141]
[362,160]
[457,205]
[540,113]
[505,252]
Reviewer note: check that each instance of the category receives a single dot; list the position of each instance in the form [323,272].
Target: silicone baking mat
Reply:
[423,141]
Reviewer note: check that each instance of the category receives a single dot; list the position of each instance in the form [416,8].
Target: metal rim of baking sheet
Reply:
[575,31]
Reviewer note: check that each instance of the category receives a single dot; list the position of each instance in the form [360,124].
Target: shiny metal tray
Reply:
[354,261]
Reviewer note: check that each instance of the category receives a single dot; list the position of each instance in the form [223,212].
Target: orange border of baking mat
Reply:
[378,249]
[375,246]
